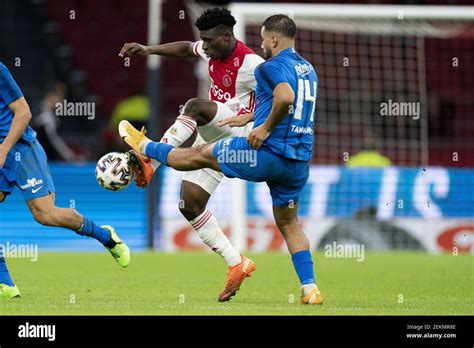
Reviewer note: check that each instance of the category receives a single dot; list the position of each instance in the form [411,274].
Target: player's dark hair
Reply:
[213,18]
[281,24]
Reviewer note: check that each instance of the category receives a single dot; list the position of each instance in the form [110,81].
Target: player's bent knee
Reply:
[201,110]
[2,197]
[192,107]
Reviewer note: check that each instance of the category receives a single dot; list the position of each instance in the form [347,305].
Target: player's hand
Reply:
[257,136]
[237,120]
[131,48]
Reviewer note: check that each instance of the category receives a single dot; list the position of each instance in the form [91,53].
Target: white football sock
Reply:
[306,288]
[211,234]
[180,131]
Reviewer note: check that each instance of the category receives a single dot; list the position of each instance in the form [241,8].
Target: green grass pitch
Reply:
[187,283]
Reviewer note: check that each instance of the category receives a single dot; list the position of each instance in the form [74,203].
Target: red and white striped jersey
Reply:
[234,77]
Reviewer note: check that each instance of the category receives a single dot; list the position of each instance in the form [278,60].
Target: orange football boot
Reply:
[141,168]
[312,297]
[235,276]
[139,163]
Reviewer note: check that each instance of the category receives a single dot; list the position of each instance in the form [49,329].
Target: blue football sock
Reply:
[158,151]
[90,229]
[4,274]
[303,264]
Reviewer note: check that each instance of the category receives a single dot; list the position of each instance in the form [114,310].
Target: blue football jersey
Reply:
[293,137]
[10,92]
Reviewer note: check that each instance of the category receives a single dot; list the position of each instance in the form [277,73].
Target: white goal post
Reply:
[246,13]
[405,28]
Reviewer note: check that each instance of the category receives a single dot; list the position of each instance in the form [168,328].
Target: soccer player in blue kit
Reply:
[282,138]
[23,164]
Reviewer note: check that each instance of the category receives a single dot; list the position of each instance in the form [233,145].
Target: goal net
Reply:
[372,63]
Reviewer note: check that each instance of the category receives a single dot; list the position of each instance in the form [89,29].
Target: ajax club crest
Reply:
[227,80]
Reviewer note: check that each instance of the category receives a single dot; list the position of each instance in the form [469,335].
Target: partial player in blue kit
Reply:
[23,164]
[278,149]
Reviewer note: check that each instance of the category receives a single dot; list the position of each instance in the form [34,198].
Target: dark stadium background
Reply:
[83,54]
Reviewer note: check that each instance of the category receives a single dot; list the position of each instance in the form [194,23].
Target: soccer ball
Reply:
[113,171]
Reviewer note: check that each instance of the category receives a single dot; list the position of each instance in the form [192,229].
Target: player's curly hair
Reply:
[214,17]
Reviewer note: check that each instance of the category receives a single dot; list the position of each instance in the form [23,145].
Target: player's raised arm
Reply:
[178,49]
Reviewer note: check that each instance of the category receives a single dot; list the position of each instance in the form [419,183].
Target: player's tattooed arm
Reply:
[178,49]
[283,98]
[21,119]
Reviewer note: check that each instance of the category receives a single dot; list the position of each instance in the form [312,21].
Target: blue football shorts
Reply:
[26,167]
[285,177]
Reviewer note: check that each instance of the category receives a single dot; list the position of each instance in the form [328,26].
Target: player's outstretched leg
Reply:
[196,113]
[184,159]
[7,288]
[46,213]
[298,245]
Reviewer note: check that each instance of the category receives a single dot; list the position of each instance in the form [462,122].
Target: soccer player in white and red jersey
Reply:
[231,66]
